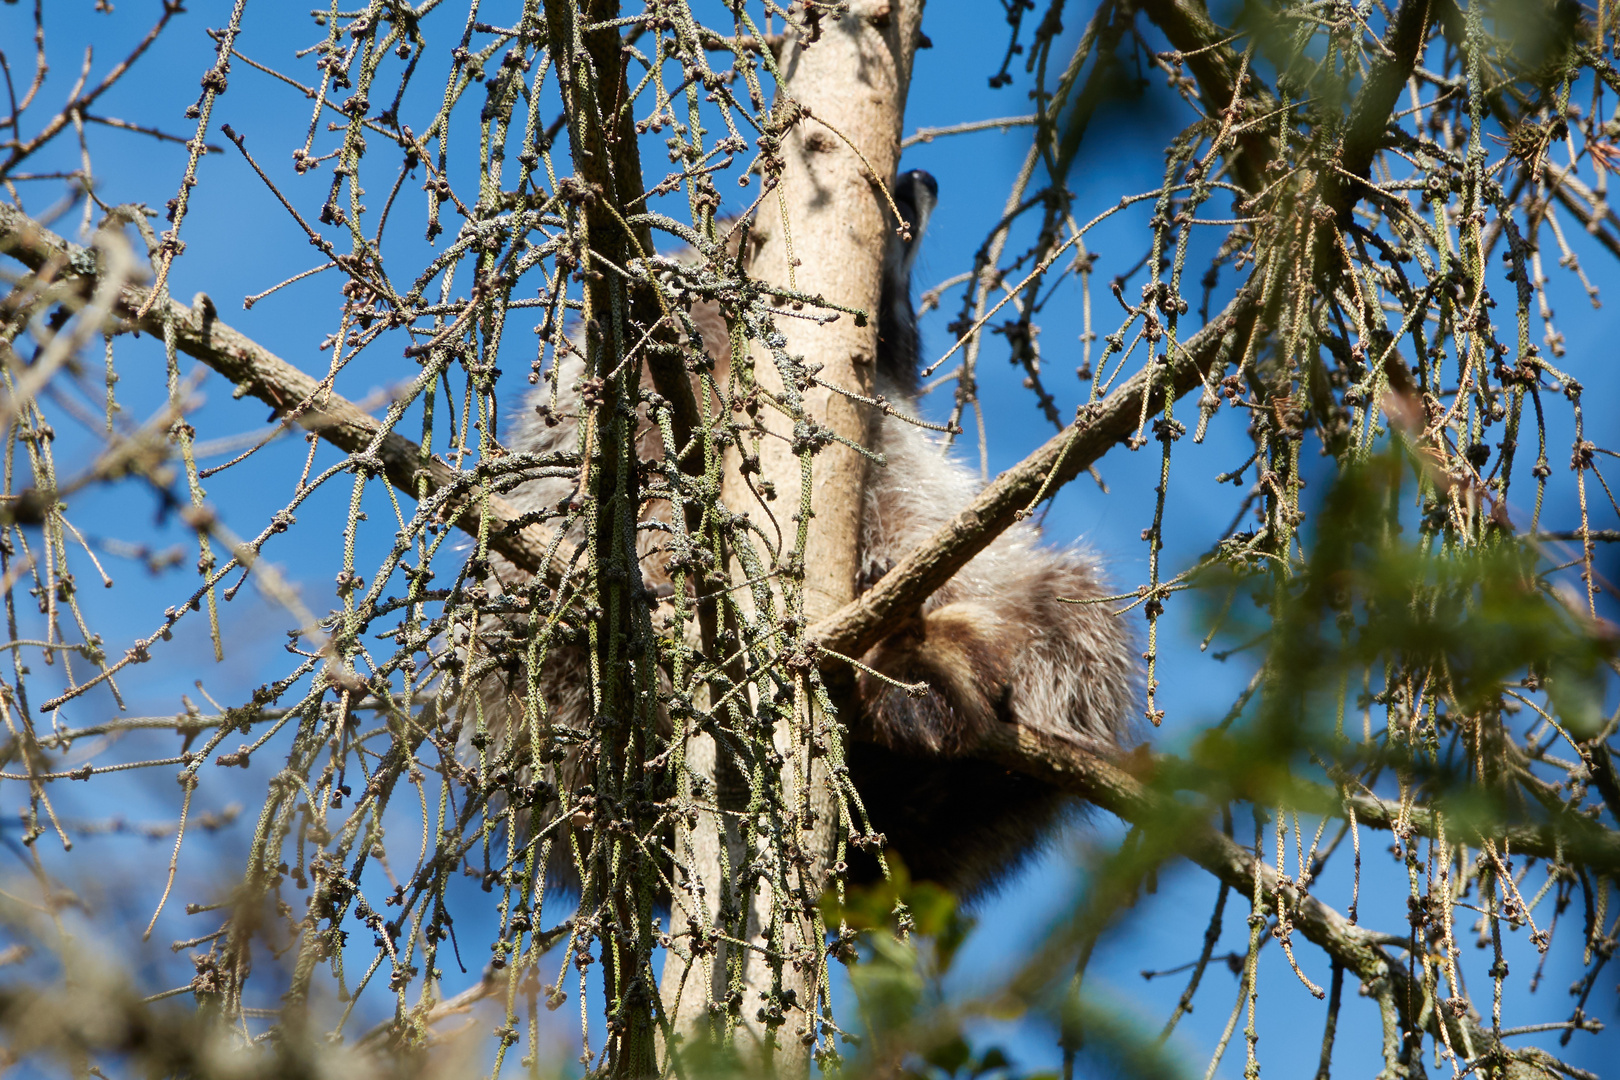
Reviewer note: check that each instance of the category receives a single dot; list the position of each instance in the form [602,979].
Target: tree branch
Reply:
[1215,64]
[258,371]
[1076,768]
[1204,46]
[1086,771]
[1370,112]
[858,625]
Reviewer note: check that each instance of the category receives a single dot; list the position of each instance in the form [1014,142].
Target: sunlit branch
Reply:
[255,369]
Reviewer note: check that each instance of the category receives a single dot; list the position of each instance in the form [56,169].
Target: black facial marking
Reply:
[915,193]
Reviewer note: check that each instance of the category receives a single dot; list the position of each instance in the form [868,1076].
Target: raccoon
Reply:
[993,646]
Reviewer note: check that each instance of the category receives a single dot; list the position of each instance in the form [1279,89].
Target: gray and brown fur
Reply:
[994,644]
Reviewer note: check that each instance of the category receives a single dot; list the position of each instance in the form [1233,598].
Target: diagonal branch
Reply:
[858,625]
[1078,769]
[1205,49]
[290,392]
[1370,112]
[1215,64]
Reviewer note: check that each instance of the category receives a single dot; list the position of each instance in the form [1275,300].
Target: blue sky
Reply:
[240,241]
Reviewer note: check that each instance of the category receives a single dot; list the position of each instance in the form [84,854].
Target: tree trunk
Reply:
[850,76]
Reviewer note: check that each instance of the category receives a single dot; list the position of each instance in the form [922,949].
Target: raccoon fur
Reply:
[993,645]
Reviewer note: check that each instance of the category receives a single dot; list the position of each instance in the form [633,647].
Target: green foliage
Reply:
[901,941]
[1368,602]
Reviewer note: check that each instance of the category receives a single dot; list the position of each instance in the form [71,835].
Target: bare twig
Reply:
[202,336]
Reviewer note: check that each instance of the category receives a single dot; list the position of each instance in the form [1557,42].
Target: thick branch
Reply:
[1207,53]
[1076,768]
[858,625]
[611,163]
[821,231]
[1215,64]
[258,371]
[1370,113]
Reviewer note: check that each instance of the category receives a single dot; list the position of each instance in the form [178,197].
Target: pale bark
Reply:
[852,82]
[855,79]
